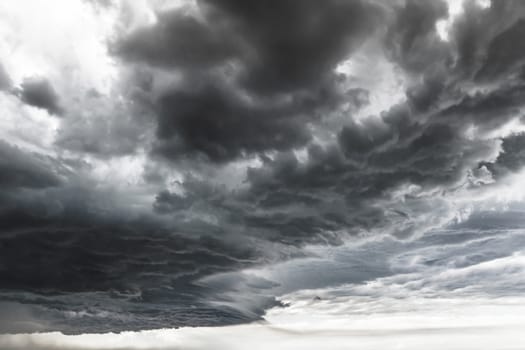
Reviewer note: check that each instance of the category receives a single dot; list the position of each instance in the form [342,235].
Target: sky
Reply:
[193,174]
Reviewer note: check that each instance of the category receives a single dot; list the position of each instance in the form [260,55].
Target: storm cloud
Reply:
[275,64]
[160,151]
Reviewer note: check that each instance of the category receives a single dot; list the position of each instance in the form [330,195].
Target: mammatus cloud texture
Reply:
[183,163]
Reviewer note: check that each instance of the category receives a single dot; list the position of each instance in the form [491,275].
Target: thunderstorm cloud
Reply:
[217,162]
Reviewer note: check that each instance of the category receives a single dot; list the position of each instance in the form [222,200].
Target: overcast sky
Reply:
[302,163]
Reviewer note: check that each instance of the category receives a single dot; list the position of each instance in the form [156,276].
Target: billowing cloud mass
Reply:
[198,163]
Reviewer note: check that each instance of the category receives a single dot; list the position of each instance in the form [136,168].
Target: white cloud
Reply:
[370,334]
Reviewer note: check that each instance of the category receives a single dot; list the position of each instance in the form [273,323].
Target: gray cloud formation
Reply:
[252,86]
[280,57]
[19,169]
[40,93]
[83,266]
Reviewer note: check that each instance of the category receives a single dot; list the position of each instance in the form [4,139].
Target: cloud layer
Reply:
[151,151]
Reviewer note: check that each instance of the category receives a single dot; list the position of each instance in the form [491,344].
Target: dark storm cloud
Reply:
[86,267]
[137,275]
[223,127]
[293,44]
[110,256]
[513,154]
[423,142]
[413,41]
[39,92]
[283,46]
[511,158]
[178,41]
[87,264]
[249,80]
[281,52]
[19,169]
[167,202]
[503,54]
[487,110]
[346,188]
[483,41]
